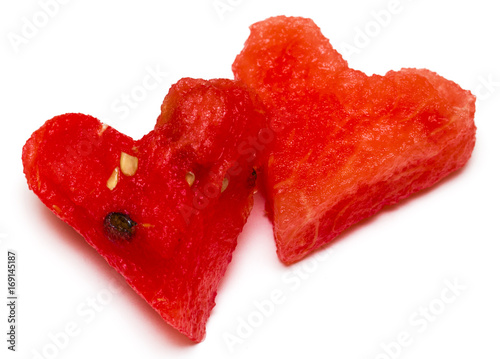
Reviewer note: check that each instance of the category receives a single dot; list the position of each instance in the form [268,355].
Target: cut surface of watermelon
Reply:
[346,144]
[164,211]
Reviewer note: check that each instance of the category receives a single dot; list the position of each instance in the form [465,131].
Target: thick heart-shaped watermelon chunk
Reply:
[164,211]
[346,144]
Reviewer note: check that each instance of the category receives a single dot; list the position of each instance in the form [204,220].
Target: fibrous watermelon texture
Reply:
[164,211]
[346,144]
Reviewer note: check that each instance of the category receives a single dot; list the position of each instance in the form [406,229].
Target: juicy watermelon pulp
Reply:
[346,144]
[164,211]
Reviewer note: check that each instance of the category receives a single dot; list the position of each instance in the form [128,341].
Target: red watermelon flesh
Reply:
[346,144]
[166,215]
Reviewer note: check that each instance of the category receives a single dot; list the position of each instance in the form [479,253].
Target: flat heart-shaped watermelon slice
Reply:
[346,144]
[164,211]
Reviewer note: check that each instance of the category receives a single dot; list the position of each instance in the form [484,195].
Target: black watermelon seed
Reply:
[119,226]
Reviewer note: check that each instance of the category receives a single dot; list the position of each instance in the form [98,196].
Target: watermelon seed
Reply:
[128,164]
[119,226]
[113,179]
[225,183]
[190,178]
[103,128]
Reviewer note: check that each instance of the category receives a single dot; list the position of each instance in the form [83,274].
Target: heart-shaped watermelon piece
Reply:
[164,211]
[346,144]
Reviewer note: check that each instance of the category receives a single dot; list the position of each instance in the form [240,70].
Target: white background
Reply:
[351,301]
